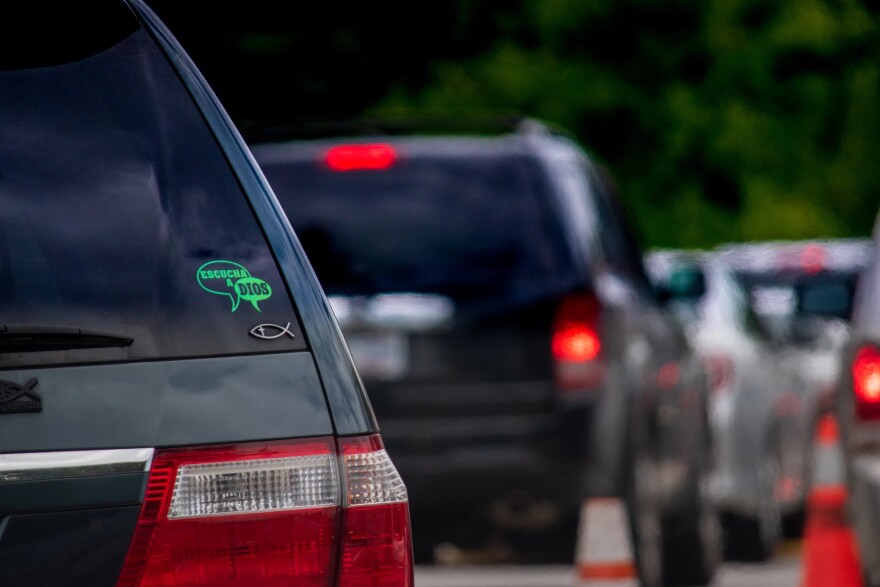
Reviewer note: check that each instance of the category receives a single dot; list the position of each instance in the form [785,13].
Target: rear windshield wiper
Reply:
[34,338]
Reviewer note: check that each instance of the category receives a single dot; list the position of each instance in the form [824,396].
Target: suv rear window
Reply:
[119,213]
[828,295]
[459,226]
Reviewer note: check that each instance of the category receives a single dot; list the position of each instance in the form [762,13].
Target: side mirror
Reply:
[686,283]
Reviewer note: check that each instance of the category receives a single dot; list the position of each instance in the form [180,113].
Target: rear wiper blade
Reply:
[33,338]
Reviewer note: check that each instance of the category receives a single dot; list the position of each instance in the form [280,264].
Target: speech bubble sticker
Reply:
[227,278]
[253,289]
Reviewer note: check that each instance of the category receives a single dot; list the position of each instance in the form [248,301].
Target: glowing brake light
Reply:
[374,156]
[813,258]
[272,514]
[576,343]
[865,371]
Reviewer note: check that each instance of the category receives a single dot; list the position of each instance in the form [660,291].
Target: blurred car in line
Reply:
[177,407]
[761,410]
[803,291]
[495,302]
[857,406]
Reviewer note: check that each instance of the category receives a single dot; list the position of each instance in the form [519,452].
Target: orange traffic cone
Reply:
[830,553]
[604,556]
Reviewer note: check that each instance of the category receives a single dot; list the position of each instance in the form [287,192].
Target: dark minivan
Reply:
[517,358]
[177,405]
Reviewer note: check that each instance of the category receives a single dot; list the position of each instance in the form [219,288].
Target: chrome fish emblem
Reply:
[271,331]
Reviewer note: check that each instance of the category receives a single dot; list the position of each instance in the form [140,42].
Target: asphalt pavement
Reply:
[783,571]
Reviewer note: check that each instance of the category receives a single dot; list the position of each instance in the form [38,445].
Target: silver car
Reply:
[760,410]
[804,291]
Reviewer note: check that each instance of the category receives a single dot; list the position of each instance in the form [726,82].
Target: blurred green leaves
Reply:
[722,119]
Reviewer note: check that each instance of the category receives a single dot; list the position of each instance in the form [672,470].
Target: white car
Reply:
[760,411]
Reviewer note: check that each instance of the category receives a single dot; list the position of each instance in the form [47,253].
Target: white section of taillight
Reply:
[372,479]
[253,486]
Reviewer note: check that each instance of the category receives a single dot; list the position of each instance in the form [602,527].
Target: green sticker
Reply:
[226,278]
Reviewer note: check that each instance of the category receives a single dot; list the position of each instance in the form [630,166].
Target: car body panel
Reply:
[170,403]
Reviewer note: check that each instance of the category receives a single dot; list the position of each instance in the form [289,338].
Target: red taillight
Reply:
[264,514]
[813,259]
[576,344]
[376,541]
[374,156]
[251,514]
[866,382]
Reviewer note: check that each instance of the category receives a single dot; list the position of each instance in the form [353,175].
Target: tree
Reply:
[722,120]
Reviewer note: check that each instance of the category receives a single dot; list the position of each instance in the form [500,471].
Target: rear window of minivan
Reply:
[119,213]
[461,226]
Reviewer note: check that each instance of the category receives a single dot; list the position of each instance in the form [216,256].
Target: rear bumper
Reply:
[474,466]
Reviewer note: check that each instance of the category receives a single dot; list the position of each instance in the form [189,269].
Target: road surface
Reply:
[783,571]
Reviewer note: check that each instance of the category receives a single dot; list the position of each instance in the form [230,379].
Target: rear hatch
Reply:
[140,309]
[445,262]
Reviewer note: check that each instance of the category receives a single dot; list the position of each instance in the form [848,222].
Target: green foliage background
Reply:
[723,120]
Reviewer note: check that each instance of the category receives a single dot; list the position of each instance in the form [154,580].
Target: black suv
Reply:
[177,405]
[496,306]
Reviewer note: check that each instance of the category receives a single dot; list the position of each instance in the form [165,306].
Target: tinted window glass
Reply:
[832,298]
[451,225]
[826,294]
[118,213]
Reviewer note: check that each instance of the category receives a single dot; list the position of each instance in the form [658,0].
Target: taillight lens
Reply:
[265,514]
[719,372]
[376,539]
[576,343]
[813,258]
[256,514]
[866,382]
[374,156]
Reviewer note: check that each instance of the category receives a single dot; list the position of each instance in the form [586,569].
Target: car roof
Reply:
[419,145]
[833,255]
